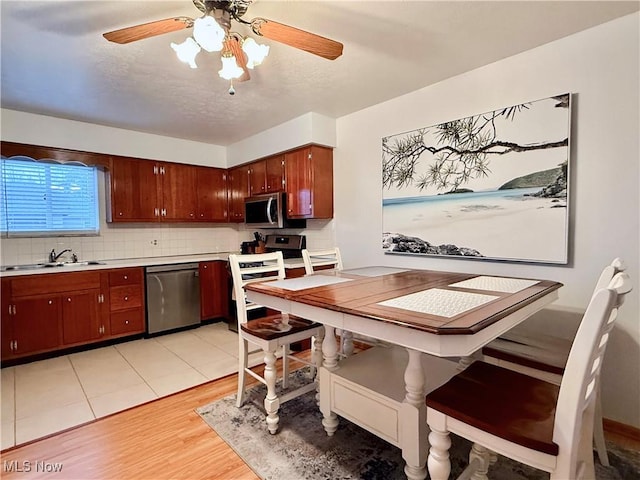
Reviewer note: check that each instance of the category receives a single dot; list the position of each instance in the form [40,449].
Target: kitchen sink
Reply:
[35,266]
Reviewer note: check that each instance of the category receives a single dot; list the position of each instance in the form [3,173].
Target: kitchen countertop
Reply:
[138,262]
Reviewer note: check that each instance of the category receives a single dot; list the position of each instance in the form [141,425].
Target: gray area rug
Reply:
[302,450]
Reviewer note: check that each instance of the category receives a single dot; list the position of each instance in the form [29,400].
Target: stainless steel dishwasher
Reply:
[173,297]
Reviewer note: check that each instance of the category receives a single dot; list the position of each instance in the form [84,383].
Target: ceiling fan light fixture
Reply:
[256,53]
[208,33]
[230,68]
[187,51]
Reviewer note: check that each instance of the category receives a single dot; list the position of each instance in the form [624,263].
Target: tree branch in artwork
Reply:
[462,152]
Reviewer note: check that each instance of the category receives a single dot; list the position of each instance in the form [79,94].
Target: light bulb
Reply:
[208,33]
[187,51]
[230,68]
[256,53]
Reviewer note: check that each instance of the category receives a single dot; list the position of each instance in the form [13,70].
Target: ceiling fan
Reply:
[223,11]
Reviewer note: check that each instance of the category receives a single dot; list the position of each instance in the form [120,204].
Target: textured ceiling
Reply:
[56,62]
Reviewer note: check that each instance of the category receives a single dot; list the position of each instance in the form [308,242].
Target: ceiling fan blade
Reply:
[146,30]
[233,45]
[294,37]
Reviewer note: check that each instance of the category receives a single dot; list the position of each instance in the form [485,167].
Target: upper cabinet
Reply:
[133,190]
[211,188]
[238,190]
[266,176]
[148,191]
[309,182]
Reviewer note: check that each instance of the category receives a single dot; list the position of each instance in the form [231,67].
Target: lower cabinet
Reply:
[214,289]
[49,312]
[126,301]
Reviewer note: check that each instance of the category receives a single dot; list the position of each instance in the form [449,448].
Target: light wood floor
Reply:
[163,439]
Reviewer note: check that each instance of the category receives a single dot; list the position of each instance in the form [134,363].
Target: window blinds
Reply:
[47,198]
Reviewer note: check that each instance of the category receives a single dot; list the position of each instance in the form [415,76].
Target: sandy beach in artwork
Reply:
[500,225]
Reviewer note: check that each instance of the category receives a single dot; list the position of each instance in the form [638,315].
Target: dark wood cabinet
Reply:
[45,313]
[211,187]
[238,191]
[214,289]
[267,175]
[133,191]
[309,182]
[148,191]
[81,317]
[178,188]
[126,301]
[32,326]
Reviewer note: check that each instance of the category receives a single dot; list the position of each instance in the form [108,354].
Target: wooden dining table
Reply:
[429,324]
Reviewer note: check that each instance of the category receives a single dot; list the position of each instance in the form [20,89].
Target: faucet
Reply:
[54,258]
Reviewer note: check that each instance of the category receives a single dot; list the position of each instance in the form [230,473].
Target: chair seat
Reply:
[504,403]
[533,350]
[273,326]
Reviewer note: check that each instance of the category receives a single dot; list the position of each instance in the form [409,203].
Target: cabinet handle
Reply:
[126,299]
[120,214]
[205,266]
[14,345]
[161,170]
[126,277]
[68,299]
[126,322]
[155,169]
[164,212]
[10,309]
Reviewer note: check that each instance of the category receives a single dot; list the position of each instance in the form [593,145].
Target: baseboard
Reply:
[622,429]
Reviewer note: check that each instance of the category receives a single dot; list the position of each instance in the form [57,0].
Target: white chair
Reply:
[270,333]
[538,423]
[329,259]
[321,259]
[545,356]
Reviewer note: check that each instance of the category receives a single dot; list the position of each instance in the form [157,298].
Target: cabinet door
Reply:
[133,191]
[35,324]
[238,191]
[179,194]
[212,194]
[258,177]
[275,174]
[214,289]
[6,335]
[80,316]
[298,183]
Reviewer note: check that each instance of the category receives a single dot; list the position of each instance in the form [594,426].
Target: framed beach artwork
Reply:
[492,186]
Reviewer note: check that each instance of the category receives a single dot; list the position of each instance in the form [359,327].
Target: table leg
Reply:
[414,441]
[330,364]
[347,343]
[317,361]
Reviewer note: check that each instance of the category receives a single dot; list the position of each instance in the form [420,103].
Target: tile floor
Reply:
[47,396]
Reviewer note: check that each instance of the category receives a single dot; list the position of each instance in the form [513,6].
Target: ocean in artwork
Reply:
[506,224]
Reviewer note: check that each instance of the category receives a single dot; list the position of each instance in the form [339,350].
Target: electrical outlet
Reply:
[154,242]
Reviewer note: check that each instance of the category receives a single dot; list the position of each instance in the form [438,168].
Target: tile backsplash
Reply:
[140,240]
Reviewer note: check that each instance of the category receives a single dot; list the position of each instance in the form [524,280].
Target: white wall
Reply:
[33,129]
[308,128]
[600,67]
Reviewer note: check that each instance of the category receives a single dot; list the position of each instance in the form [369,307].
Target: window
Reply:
[47,198]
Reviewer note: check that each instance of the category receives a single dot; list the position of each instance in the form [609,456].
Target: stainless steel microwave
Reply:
[269,211]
